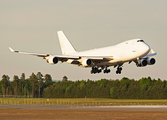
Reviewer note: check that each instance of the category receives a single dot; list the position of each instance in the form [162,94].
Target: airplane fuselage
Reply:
[123,52]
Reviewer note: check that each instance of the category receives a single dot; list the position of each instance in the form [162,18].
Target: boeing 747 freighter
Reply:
[135,50]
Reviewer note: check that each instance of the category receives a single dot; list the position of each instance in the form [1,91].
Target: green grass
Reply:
[80,101]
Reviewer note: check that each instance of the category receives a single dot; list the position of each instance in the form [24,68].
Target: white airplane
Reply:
[135,50]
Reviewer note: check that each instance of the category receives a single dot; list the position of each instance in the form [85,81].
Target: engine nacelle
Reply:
[86,62]
[151,61]
[142,63]
[53,60]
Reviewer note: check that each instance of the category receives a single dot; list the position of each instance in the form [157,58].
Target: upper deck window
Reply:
[140,41]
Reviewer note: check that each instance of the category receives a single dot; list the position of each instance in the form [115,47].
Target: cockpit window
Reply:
[140,41]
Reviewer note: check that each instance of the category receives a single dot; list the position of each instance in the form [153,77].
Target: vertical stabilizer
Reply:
[65,45]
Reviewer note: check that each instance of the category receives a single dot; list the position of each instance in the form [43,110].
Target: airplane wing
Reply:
[35,54]
[44,55]
[66,57]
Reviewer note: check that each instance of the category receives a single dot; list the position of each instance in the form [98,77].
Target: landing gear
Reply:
[107,70]
[119,69]
[95,70]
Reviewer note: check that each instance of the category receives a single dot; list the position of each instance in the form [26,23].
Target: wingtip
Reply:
[11,49]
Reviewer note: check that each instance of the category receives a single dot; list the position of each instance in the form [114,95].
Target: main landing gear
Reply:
[97,70]
[107,70]
[119,69]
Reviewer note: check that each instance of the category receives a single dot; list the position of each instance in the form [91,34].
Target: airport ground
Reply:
[81,108]
[79,112]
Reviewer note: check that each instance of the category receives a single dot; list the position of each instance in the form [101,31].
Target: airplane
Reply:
[135,50]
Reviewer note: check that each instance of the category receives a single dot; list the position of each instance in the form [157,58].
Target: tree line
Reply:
[22,87]
[38,85]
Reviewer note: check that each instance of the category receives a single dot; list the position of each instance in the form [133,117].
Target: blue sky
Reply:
[32,25]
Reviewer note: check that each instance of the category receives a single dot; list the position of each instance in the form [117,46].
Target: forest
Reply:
[42,86]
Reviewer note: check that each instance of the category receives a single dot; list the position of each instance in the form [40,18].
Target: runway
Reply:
[133,106]
[81,107]
[79,112]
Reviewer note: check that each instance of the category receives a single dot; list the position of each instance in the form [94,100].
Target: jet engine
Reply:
[86,62]
[53,60]
[142,63]
[151,61]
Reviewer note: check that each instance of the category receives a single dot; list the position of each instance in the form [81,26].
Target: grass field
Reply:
[80,101]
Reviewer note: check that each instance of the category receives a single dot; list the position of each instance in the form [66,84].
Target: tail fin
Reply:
[65,45]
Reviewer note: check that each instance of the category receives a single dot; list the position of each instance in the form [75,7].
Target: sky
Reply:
[32,25]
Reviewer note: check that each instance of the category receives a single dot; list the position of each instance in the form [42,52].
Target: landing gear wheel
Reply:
[107,70]
[95,70]
[119,69]
[99,71]
[91,72]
